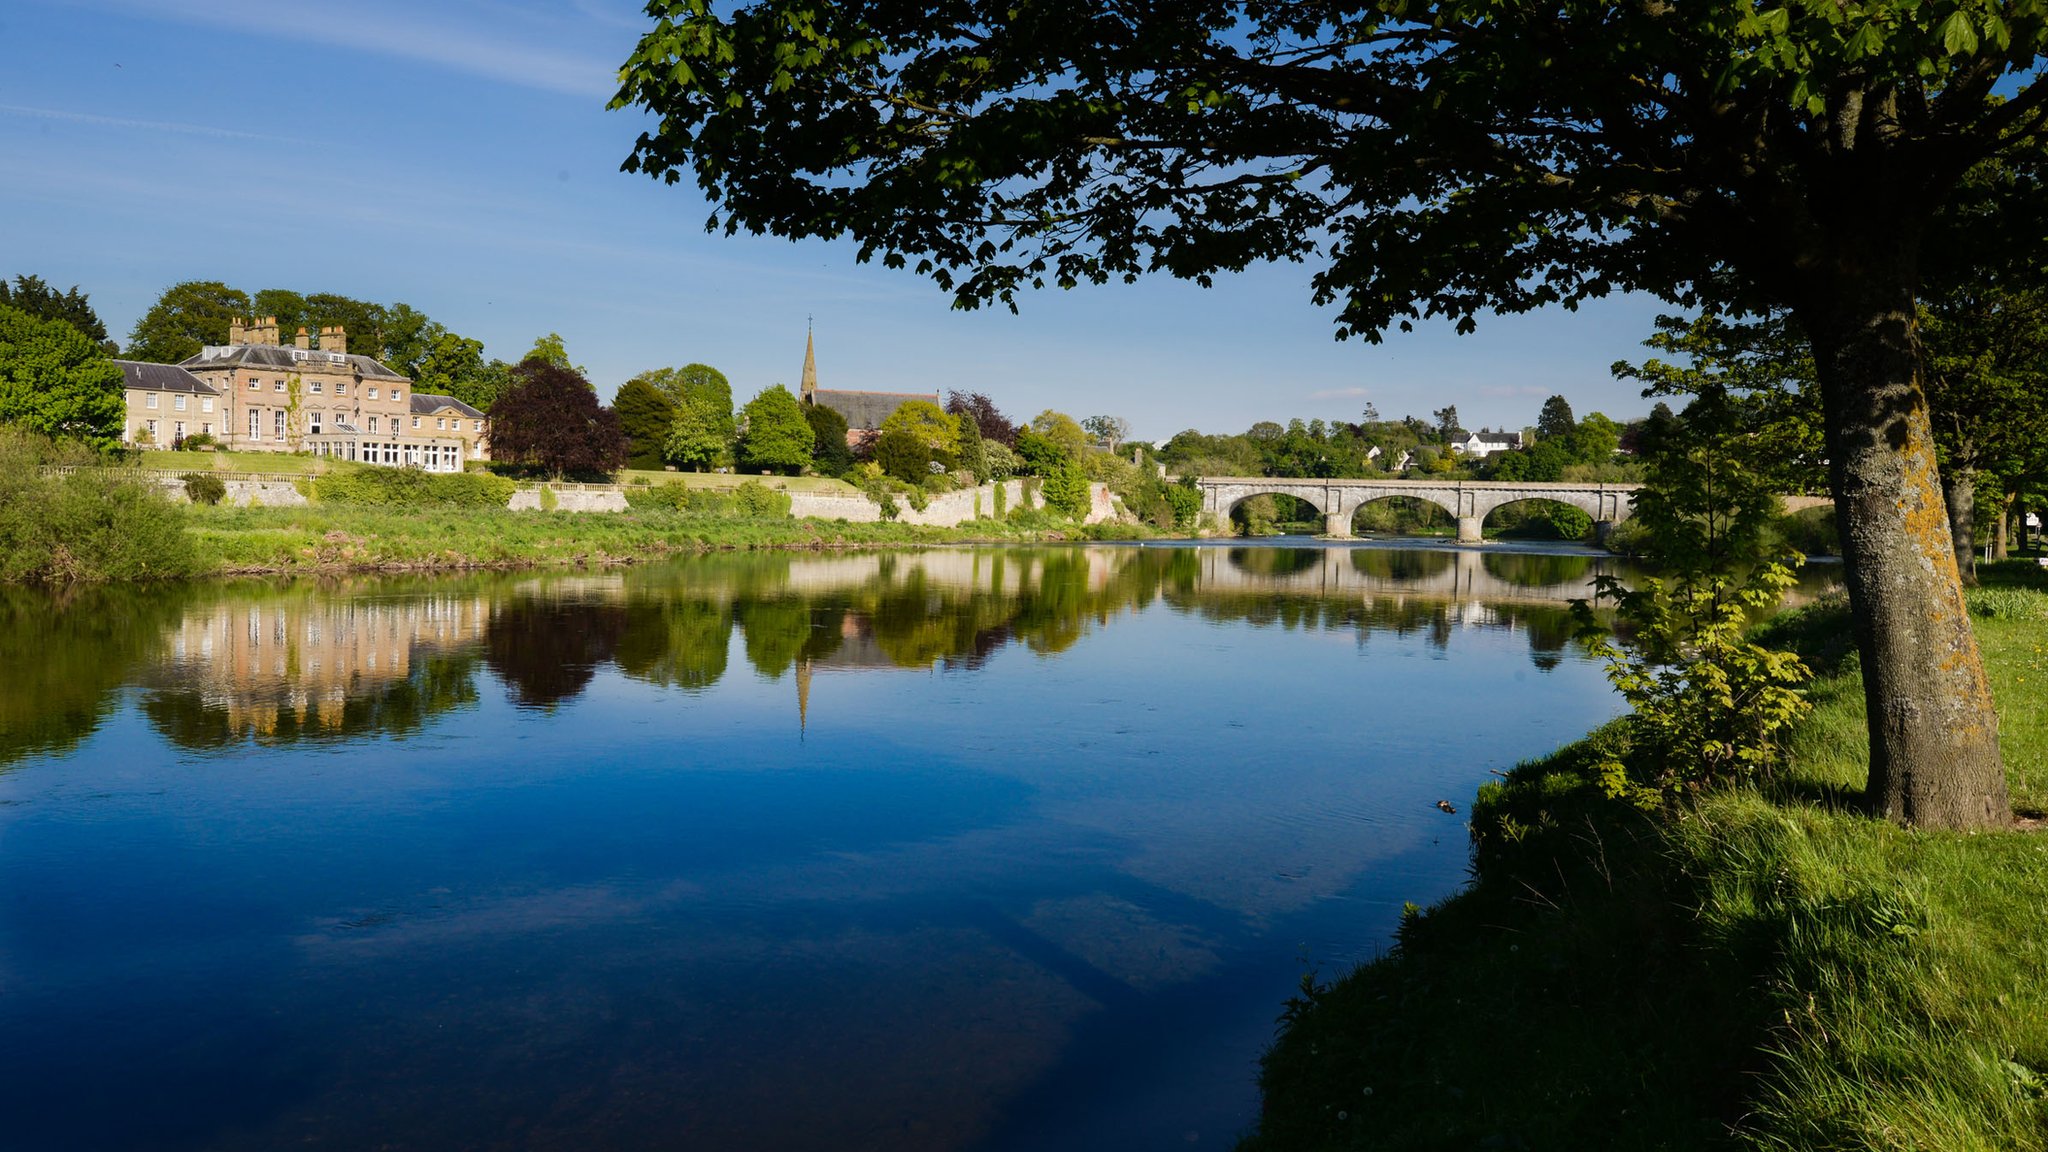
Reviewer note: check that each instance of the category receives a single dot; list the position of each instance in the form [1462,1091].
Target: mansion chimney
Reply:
[237,334]
[302,340]
[333,339]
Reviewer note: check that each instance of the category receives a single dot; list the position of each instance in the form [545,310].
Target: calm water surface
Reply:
[959,849]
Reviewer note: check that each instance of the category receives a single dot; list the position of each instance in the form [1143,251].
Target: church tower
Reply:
[807,389]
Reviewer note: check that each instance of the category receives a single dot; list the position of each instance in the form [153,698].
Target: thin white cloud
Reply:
[96,120]
[476,47]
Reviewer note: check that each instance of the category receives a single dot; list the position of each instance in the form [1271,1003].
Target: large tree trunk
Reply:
[1959,494]
[2001,528]
[1934,758]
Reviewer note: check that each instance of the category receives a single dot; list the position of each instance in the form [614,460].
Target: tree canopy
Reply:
[1430,160]
[185,318]
[917,435]
[550,419]
[56,381]
[776,435]
[33,296]
[646,417]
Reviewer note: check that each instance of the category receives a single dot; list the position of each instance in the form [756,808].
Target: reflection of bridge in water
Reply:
[1463,575]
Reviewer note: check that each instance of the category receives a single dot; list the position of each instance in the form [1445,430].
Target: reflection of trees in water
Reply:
[546,650]
[1540,569]
[1274,561]
[64,656]
[434,684]
[674,642]
[1401,563]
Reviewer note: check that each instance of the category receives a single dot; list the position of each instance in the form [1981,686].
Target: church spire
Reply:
[807,389]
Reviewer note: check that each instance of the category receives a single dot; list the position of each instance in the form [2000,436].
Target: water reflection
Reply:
[226,664]
[960,849]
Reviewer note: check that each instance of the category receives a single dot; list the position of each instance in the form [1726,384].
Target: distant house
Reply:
[1484,443]
[268,396]
[166,404]
[864,411]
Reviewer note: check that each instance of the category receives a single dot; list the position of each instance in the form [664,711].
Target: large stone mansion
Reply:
[256,394]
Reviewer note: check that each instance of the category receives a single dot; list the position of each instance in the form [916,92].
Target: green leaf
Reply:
[1958,35]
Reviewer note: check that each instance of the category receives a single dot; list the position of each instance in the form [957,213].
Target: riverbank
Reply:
[327,539]
[1772,970]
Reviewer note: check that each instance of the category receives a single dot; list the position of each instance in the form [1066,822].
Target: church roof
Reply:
[865,410]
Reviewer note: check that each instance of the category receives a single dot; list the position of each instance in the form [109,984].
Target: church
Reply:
[864,411]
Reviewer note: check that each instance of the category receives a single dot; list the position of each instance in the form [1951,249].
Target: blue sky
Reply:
[458,156]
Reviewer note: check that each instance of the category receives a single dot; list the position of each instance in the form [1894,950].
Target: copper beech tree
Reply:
[1426,160]
[550,418]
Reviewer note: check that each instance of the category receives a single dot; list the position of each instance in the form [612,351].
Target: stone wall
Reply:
[570,498]
[946,509]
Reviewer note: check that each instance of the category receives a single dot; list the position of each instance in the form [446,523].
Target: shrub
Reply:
[1568,523]
[95,524]
[1185,500]
[1066,491]
[203,442]
[204,488]
[665,497]
[756,499]
[412,488]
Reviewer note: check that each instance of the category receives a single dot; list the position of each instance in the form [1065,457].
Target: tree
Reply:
[40,300]
[1062,430]
[776,435]
[917,435]
[646,417]
[187,317]
[829,451]
[988,421]
[1446,423]
[56,381]
[695,440]
[550,349]
[699,383]
[1555,421]
[550,419]
[1109,431]
[1434,160]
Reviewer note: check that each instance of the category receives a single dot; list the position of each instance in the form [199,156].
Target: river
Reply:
[954,849]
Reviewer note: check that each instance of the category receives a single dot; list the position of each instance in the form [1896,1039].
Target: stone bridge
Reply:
[1468,500]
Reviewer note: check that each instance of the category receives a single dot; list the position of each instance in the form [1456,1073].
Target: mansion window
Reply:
[280,386]
[479,425]
[317,385]
[341,389]
[206,429]
[151,425]
[178,403]
[255,424]
[149,401]
[254,383]
[373,423]
[180,432]
[316,422]
[441,422]
[398,393]
[206,403]
[415,421]
[373,393]
[279,423]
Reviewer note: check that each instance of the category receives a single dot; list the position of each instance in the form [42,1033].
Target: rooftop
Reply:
[162,378]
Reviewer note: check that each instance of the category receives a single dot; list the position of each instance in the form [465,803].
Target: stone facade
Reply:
[1468,500]
[273,397]
[167,404]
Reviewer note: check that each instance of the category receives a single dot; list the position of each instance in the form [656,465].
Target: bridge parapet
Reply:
[1468,500]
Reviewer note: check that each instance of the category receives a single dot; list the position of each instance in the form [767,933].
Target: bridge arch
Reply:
[1348,518]
[1530,510]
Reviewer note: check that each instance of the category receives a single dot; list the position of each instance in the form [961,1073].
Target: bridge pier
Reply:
[1337,525]
[1468,529]
[1602,529]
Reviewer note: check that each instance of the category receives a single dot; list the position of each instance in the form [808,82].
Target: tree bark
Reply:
[2001,528]
[1959,493]
[1934,758]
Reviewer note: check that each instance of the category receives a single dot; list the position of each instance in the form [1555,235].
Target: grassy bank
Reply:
[1772,970]
[325,538]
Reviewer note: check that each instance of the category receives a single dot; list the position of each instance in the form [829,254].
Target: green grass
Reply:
[332,538]
[1771,970]
[824,484]
[280,463]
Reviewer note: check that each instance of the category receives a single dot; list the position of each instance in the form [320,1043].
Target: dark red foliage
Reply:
[993,425]
[550,418]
